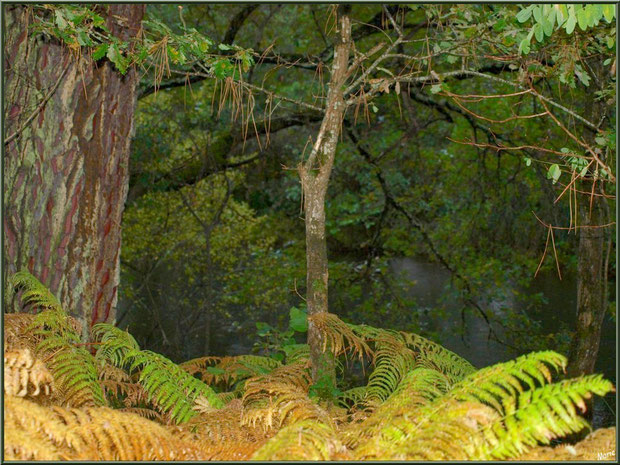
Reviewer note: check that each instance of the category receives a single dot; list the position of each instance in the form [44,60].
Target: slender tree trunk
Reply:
[592,300]
[593,259]
[66,172]
[314,174]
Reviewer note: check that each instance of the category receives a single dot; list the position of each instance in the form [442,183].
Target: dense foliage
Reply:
[401,186]
[421,400]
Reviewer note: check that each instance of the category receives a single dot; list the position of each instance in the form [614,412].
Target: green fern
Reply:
[543,414]
[496,412]
[72,366]
[35,294]
[393,360]
[172,389]
[432,355]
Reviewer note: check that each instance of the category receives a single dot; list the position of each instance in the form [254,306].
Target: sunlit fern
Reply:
[172,389]
[496,412]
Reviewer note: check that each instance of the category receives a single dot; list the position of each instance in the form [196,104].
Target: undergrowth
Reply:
[421,402]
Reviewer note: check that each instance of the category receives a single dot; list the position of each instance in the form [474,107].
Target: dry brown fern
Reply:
[17,334]
[25,375]
[33,432]
[338,337]
[115,435]
[281,398]
[598,445]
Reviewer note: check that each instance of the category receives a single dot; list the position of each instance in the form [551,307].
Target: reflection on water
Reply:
[468,334]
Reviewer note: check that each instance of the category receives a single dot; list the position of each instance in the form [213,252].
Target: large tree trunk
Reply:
[314,174]
[66,172]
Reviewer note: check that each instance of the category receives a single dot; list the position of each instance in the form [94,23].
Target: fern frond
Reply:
[598,445]
[34,293]
[417,389]
[305,440]
[229,370]
[353,397]
[432,355]
[31,432]
[25,375]
[172,389]
[17,334]
[297,353]
[393,359]
[280,397]
[115,435]
[114,345]
[73,367]
[338,336]
[543,414]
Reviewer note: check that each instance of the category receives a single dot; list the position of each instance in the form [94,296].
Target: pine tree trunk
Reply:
[314,174]
[66,173]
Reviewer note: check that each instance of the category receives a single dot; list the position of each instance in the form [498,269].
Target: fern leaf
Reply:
[305,440]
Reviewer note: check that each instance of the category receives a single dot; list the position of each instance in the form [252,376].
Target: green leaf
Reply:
[554,172]
[539,33]
[524,14]
[524,46]
[547,27]
[435,88]
[61,22]
[570,24]
[528,161]
[298,320]
[609,11]
[116,57]
[582,19]
[263,328]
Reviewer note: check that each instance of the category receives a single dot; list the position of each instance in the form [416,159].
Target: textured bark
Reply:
[593,261]
[592,299]
[314,174]
[66,174]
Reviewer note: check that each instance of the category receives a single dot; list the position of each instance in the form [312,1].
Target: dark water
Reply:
[430,289]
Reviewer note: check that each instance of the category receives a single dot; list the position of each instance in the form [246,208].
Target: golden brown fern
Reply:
[338,337]
[109,434]
[304,440]
[32,432]
[25,375]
